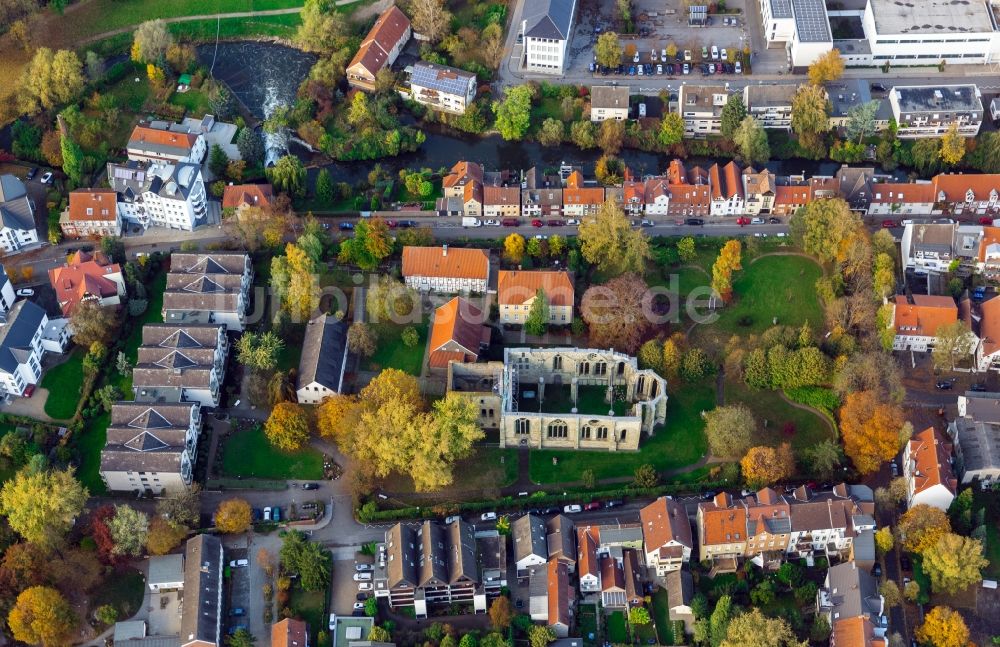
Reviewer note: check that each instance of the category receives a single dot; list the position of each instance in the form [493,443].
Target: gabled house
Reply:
[17,216]
[380,48]
[242,196]
[928,472]
[769,528]
[770,105]
[701,107]
[856,186]
[473,199]
[788,199]
[181,364]
[917,319]
[855,632]
[501,202]
[758,189]
[443,88]
[727,189]
[588,564]
[444,269]
[151,448]
[987,352]
[988,254]
[550,597]
[530,548]
[976,434]
[666,533]
[323,361]
[201,609]
[212,288]
[690,194]
[927,247]
[7,296]
[901,198]
[968,194]
[546,26]
[542,202]
[87,276]
[91,212]
[560,538]
[23,345]
[722,532]
[458,334]
[461,174]
[680,594]
[518,289]
[656,197]
[608,102]
[290,632]
[158,142]
[850,592]
[579,199]
[634,197]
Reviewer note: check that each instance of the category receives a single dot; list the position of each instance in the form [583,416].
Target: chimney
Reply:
[444,250]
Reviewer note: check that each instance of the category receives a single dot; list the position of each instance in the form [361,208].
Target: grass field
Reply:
[250,455]
[586,621]
[393,353]
[482,471]
[617,633]
[309,606]
[281,26]
[774,287]
[680,442]
[89,444]
[661,617]
[123,590]
[770,409]
[64,383]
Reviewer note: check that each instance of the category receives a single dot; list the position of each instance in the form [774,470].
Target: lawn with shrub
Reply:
[784,422]
[773,288]
[64,382]
[391,352]
[660,612]
[249,454]
[123,590]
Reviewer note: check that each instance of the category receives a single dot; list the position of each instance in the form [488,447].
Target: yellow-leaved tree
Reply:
[870,429]
[954,563]
[233,516]
[513,247]
[943,627]
[42,616]
[763,466]
[287,428]
[921,526]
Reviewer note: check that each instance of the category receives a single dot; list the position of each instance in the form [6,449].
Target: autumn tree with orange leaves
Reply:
[827,229]
[870,429]
[763,466]
[727,262]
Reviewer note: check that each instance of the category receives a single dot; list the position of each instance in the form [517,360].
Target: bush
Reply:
[816,397]
[410,337]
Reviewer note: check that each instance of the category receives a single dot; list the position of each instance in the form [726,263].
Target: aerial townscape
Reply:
[500,323]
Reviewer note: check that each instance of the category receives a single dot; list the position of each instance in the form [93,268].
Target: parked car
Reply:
[711,68]
[687,69]
[555,223]
[239,563]
[594,505]
[346,226]
[238,611]
[492,223]
[715,53]
[365,586]
[646,223]
[364,568]
[361,597]
[256,514]
[986,220]
[573,222]
[659,68]
[943,385]
[46,178]
[631,70]
[310,486]
[540,236]
[488,516]
[757,221]
[904,563]
[510,222]
[878,87]
[32,172]
[408,223]
[235,628]
[877,570]
[979,387]
[694,221]
[663,54]
[641,71]
[742,220]
[25,292]
[267,514]
[687,55]
[670,68]
[391,224]
[572,508]
[452,519]
[774,221]
[738,68]
[614,503]
[725,54]
[363,577]
[276,513]
[635,59]
[537,223]
[359,606]
[887,224]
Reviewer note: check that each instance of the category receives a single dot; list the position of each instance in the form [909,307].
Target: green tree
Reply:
[538,316]
[307,559]
[324,186]
[51,79]
[754,629]
[250,143]
[289,175]
[551,133]
[731,430]
[861,120]
[826,229]
[259,351]
[609,241]
[751,140]
[540,636]
[646,476]
[241,638]
[41,505]
[811,117]
[73,158]
[718,622]
[611,136]
[686,250]
[927,155]
[321,27]
[608,49]
[513,113]
[671,130]
[638,616]
[217,160]
[106,614]
[129,530]
[825,458]
[583,134]
[369,246]
[733,114]
[952,343]
[954,563]
[501,613]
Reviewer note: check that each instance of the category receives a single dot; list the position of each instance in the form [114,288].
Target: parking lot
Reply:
[240,591]
[658,24]
[345,589]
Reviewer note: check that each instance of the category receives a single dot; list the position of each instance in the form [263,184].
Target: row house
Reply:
[701,108]
[181,364]
[928,471]
[968,194]
[657,196]
[927,246]
[501,202]
[769,527]
[770,105]
[789,199]
[758,191]
[856,186]
[208,289]
[634,197]
[851,593]
[538,541]
[91,213]
[436,564]
[901,198]
[988,254]
[917,318]
[987,352]
[581,201]
[17,216]
[823,187]
[931,111]
[666,535]
[440,269]
[461,174]
[151,447]
[727,189]
[689,191]
[541,195]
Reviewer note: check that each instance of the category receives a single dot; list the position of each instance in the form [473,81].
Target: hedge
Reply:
[509,504]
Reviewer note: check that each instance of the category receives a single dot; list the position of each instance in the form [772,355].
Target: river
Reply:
[263,75]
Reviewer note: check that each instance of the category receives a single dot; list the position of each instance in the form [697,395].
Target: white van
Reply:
[757,221]
[471,222]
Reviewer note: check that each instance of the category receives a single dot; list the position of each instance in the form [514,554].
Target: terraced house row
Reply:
[721,190]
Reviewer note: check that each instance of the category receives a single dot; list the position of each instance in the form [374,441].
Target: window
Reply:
[558,429]
[602,433]
[601,368]
[522,426]
[584,368]
[624,433]
[557,363]
[585,433]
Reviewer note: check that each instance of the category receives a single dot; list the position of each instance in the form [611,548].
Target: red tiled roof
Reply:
[991,236]
[665,521]
[501,195]
[634,192]
[515,287]
[931,456]
[925,315]
[902,193]
[560,593]
[588,539]
[93,204]
[588,195]
[390,27]
[238,195]
[462,172]
[989,326]
[790,195]
[453,262]
[954,187]
[146,135]
[289,633]
[461,323]
[83,277]
[473,192]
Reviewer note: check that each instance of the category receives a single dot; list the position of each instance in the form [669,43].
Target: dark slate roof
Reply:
[144,437]
[214,263]
[202,584]
[15,210]
[324,352]
[549,18]
[529,537]
[22,322]
[11,188]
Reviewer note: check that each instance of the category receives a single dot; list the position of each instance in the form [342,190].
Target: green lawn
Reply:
[586,621]
[661,616]
[194,101]
[809,429]
[781,287]
[283,25]
[309,606]
[481,471]
[89,443]
[680,442]
[248,454]
[992,550]
[64,383]
[393,353]
[291,352]
[153,314]
[123,590]
[617,633]
[558,399]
